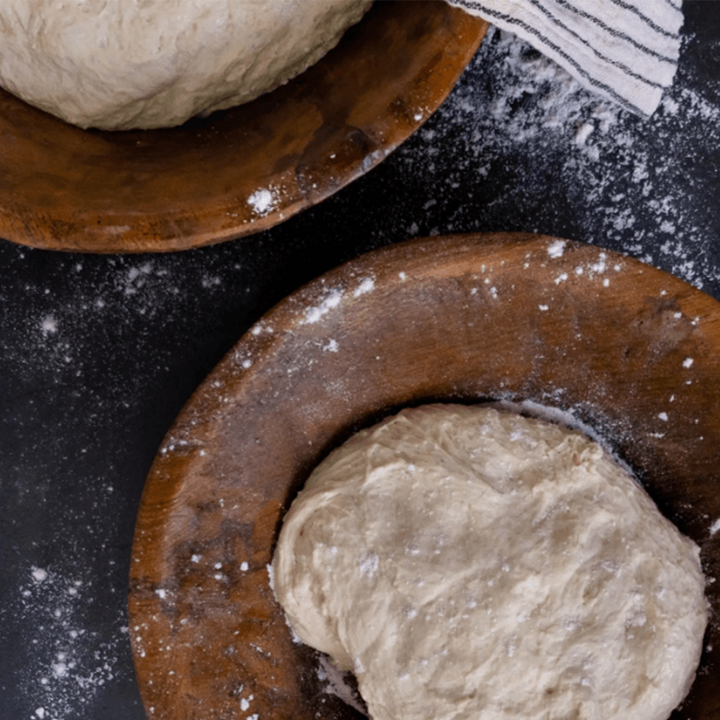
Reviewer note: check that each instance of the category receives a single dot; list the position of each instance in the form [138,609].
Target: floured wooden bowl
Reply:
[242,170]
[627,349]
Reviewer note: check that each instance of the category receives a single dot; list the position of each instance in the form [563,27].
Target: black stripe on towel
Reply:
[633,9]
[596,21]
[476,6]
[620,66]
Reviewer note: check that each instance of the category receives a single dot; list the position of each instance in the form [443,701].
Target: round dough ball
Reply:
[119,64]
[469,563]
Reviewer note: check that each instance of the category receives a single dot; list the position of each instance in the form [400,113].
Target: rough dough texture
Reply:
[119,64]
[468,563]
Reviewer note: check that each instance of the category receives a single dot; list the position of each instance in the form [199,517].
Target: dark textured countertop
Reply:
[98,354]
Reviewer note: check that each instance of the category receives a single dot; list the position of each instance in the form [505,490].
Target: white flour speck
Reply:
[543,308]
[262,201]
[244,566]
[366,286]
[556,248]
[600,266]
[663,416]
[583,133]
[687,362]
[331,346]
[313,314]
[39,574]
[715,527]
[49,325]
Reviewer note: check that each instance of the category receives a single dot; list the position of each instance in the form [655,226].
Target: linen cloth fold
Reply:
[626,50]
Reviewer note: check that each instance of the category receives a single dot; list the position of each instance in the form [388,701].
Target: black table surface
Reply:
[98,354]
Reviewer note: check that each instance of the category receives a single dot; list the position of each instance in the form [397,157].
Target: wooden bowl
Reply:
[240,171]
[629,350]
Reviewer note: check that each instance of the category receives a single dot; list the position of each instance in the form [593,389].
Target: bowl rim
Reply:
[447,261]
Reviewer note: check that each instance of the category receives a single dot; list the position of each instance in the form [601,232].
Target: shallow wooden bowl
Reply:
[626,348]
[240,171]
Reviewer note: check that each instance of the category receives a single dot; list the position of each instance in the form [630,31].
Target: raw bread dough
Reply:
[119,64]
[468,563]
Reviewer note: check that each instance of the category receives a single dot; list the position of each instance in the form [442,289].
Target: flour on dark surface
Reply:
[557,159]
[67,661]
[99,353]
[93,353]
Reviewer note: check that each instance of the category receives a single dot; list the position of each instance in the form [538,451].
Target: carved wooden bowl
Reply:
[242,170]
[629,350]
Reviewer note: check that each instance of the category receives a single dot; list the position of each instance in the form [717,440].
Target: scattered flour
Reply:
[548,146]
[82,365]
[567,163]
[68,660]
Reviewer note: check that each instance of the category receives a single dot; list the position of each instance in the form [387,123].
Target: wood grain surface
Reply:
[62,188]
[629,350]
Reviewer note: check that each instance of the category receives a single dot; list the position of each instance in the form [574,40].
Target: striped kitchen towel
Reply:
[626,50]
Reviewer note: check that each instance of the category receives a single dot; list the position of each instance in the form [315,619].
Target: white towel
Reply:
[626,50]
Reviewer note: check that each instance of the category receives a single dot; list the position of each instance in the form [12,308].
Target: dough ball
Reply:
[119,64]
[468,563]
